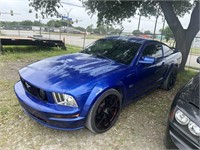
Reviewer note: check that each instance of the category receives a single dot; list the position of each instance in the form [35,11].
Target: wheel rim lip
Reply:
[172,79]
[104,125]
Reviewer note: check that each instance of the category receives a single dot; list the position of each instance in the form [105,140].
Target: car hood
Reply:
[190,92]
[67,72]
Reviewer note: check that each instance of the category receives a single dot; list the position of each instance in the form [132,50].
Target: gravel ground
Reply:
[141,125]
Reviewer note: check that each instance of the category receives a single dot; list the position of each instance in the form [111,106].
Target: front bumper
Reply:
[174,139]
[51,115]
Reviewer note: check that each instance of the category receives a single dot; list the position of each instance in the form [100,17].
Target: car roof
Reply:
[130,39]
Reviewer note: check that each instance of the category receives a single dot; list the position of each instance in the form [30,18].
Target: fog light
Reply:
[181,118]
[194,129]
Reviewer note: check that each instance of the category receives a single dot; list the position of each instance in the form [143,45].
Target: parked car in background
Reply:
[183,130]
[89,88]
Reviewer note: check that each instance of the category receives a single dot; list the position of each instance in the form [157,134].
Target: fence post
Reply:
[60,33]
[49,33]
[84,39]
[18,32]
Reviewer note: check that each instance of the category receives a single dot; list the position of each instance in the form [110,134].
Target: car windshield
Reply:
[117,50]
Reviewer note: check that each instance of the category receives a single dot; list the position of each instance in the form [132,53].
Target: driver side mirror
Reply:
[147,60]
[198,60]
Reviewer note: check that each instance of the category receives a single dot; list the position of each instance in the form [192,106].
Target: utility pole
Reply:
[162,29]
[154,32]
[139,21]
[11,13]
[68,20]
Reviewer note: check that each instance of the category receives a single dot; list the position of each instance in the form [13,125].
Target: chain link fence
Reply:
[79,38]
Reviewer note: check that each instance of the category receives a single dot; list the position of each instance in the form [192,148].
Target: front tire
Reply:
[105,112]
[170,81]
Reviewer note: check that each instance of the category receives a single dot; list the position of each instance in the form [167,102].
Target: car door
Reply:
[150,75]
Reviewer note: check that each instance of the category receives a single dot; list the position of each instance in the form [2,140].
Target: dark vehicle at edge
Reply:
[183,129]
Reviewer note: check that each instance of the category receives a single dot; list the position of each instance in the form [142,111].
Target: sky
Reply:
[21,10]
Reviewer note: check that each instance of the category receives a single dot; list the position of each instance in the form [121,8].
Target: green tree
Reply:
[147,32]
[90,28]
[136,32]
[54,23]
[26,23]
[58,23]
[101,29]
[117,31]
[80,28]
[37,23]
[167,32]
[117,10]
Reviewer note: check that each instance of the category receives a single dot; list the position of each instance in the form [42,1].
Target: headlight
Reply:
[64,99]
[194,129]
[181,118]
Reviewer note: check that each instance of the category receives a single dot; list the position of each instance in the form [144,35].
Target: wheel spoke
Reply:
[100,122]
[106,119]
[106,112]
[113,104]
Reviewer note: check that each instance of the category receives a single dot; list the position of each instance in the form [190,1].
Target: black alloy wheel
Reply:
[105,112]
[170,81]
[172,78]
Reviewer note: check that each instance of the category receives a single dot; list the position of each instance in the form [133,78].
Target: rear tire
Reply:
[105,112]
[170,81]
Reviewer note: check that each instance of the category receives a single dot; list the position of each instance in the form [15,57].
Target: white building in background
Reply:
[196,41]
[37,28]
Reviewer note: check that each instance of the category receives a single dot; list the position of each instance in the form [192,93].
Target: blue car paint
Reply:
[85,77]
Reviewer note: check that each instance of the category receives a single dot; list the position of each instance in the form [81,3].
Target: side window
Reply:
[167,51]
[153,50]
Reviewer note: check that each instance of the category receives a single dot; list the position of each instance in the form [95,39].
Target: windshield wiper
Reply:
[101,56]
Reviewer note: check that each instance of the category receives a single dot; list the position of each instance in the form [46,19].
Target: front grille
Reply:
[38,93]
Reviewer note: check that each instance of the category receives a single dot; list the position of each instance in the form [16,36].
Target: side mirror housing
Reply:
[198,60]
[147,60]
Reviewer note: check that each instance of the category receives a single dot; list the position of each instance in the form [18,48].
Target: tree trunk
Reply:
[183,44]
[183,37]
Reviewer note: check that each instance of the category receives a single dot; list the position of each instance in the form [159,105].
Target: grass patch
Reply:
[185,76]
[195,51]
[33,52]
[94,36]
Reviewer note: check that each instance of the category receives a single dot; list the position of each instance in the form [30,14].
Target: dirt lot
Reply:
[141,125]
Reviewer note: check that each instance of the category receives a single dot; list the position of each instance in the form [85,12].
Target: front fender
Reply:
[97,91]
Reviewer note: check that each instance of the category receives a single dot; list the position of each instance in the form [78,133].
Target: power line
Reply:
[72,4]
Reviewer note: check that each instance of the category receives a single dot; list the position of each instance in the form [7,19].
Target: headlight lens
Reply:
[181,118]
[184,120]
[194,129]
[64,99]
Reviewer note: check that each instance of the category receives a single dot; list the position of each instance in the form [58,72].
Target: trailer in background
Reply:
[32,41]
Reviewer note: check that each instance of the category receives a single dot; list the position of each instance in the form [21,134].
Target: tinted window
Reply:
[117,50]
[167,51]
[153,50]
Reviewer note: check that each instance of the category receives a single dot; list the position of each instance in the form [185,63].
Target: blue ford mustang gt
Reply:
[89,88]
